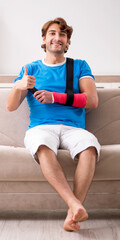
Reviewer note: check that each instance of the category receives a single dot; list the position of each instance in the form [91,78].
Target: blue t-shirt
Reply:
[52,77]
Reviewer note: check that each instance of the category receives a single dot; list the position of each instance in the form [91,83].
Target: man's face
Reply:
[55,40]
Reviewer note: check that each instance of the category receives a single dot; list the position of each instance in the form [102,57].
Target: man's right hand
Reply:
[19,91]
[26,82]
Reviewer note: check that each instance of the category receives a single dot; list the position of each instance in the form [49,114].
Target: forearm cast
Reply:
[80,99]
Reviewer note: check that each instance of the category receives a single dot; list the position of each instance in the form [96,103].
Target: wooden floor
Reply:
[101,225]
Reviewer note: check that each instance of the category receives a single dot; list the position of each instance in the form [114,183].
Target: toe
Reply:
[80,216]
[70,225]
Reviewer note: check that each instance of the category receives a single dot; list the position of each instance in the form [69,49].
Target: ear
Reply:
[44,39]
[68,43]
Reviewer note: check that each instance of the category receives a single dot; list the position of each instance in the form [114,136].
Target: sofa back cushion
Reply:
[103,122]
[12,124]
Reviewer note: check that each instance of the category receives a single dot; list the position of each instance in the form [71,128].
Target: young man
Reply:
[55,125]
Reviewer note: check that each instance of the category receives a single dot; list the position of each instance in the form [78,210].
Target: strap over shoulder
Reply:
[69,81]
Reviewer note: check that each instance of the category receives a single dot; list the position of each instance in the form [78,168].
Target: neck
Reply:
[54,59]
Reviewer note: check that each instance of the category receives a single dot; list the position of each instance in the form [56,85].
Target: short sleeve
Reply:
[85,70]
[20,75]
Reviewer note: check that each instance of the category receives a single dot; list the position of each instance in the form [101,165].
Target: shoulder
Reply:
[83,67]
[33,66]
[80,62]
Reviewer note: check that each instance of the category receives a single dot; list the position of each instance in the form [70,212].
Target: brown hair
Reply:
[63,26]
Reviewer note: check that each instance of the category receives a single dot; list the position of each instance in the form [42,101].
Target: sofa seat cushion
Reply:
[17,164]
[108,168]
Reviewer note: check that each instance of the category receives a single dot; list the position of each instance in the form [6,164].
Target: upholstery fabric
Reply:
[22,184]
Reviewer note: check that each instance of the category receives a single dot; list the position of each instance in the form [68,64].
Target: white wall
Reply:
[96,36]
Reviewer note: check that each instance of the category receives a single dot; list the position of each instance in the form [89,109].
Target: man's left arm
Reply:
[87,98]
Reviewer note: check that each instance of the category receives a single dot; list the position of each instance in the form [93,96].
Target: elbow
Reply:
[9,108]
[95,103]
[10,105]
[92,102]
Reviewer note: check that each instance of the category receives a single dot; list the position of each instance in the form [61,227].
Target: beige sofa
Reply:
[22,184]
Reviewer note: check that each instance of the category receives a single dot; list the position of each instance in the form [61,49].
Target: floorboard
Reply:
[103,225]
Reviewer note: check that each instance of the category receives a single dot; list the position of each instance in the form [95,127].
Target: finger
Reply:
[30,80]
[36,93]
[31,85]
[26,71]
[31,77]
[39,98]
[40,92]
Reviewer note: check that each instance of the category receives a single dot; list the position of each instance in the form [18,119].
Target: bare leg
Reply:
[55,176]
[82,180]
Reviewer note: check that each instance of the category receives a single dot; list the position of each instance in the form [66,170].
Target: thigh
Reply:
[41,135]
[77,140]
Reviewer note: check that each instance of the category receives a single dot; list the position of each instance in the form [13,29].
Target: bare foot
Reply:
[79,212]
[80,215]
[69,224]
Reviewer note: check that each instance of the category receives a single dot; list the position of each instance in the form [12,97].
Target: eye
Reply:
[52,33]
[63,34]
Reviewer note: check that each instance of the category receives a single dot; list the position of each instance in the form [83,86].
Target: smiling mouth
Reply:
[56,44]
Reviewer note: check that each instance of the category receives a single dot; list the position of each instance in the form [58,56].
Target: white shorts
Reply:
[60,137]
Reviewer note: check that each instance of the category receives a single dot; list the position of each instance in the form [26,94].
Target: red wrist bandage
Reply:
[80,99]
[60,97]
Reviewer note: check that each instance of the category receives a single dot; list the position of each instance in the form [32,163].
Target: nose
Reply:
[57,36]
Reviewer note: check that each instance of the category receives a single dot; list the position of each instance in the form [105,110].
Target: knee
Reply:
[42,148]
[90,153]
[43,151]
